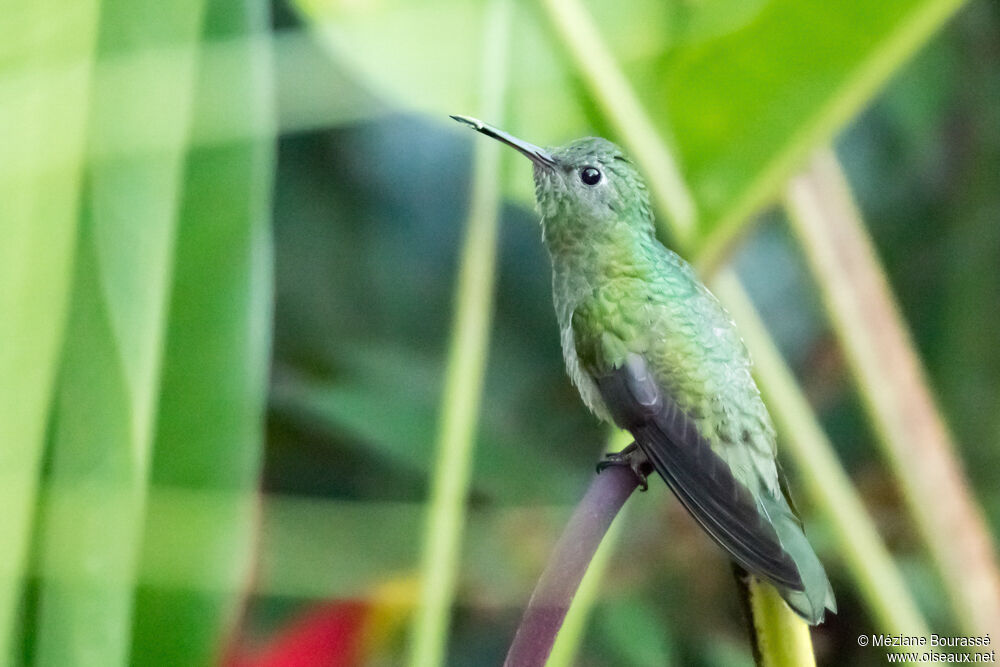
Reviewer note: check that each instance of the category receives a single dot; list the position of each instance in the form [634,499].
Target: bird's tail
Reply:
[812,602]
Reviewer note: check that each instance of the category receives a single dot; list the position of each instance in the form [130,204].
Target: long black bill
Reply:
[539,156]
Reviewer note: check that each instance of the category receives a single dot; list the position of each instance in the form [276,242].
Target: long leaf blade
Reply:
[42,130]
[90,533]
[209,428]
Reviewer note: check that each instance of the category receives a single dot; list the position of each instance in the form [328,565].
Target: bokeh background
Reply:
[231,367]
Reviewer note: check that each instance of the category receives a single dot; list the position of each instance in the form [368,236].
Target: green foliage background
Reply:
[228,251]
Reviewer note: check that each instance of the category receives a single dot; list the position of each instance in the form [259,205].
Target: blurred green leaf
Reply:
[302,552]
[747,107]
[109,382]
[215,366]
[635,633]
[744,90]
[42,131]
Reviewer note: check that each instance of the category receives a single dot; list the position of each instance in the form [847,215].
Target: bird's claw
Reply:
[634,459]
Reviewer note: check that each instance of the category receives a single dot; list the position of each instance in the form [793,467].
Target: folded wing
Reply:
[699,477]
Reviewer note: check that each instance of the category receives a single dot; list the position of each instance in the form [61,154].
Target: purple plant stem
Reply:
[561,578]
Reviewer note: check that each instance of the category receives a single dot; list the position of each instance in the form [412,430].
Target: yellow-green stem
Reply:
[465,368]
[783,640]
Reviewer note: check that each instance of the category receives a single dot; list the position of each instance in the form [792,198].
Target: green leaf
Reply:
[43,110]
[209,427]
[90,533]
[747,108]
[744,90]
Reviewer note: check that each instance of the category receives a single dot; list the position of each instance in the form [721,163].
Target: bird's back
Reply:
[697,353]
[653,331]
[658,308]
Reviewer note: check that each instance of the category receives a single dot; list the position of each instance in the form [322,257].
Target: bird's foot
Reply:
[634,459]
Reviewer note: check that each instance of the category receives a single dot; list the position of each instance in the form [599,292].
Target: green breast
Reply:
[660,310]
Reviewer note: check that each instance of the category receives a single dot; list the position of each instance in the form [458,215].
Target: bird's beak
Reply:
[539,156]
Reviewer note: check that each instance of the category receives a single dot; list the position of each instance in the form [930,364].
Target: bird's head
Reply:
[583,187]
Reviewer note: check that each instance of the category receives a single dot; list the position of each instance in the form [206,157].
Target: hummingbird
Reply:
[652,351]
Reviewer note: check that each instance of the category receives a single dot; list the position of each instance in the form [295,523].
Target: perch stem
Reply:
[561,578]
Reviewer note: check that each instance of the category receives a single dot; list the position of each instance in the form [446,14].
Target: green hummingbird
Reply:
[652,350]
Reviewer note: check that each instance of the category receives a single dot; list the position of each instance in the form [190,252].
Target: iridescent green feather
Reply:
[651,349]
[617,290]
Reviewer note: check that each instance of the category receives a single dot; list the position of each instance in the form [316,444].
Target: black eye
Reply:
[590,175]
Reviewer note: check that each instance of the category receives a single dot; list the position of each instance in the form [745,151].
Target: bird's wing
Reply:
[698,476]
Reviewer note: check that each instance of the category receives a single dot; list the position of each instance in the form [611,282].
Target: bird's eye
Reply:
[590,175]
